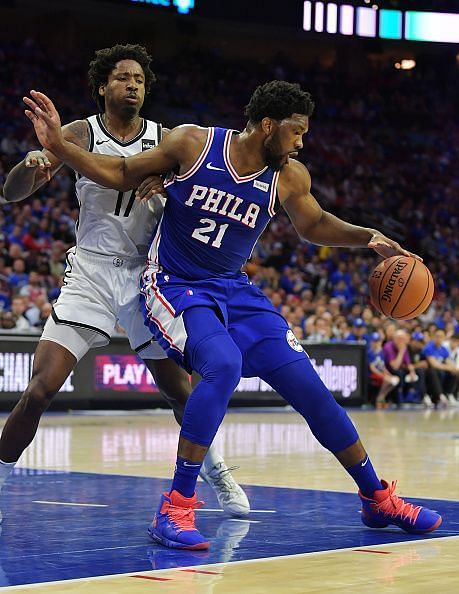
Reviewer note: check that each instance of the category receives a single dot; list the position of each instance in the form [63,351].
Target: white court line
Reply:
[252,511]
[71,503]
[28,555]
[223,565]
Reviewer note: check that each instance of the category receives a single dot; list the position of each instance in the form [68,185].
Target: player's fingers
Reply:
[43,163]
[38,100]
[416,256]
[36,111]
[30,103]
[156,188]
[31,161]
[43,100]
[142,187]
[48,174]
[146,192]
[30,115]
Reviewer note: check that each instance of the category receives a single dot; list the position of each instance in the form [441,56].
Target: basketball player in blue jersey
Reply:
[102,279]
[206,314]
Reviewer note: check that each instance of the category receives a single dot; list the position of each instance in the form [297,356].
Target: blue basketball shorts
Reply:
[259,331]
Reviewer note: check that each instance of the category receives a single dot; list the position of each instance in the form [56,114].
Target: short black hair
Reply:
[278,100]
[105,62]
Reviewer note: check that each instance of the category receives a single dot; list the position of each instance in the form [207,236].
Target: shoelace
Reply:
[221,478]
[183,517]
[394,505]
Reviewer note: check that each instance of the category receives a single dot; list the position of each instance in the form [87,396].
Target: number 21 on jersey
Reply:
[205,233]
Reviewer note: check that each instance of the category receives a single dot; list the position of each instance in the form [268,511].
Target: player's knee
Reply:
[37,396]
[230,366]
[221,361]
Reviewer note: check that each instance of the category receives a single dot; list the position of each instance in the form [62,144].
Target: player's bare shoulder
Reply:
[78,133]
[187,142]
[190,134]
[294,181]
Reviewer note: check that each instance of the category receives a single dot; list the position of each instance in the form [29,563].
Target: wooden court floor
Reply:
[298,492]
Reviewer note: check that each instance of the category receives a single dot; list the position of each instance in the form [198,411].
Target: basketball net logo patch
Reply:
[293,342]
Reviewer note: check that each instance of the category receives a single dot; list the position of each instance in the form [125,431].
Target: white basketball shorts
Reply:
[99,292]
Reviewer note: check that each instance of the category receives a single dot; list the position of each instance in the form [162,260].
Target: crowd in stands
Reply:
[383,150]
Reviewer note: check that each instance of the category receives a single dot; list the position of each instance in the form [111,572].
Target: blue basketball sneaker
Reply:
[387,508]
[173,525]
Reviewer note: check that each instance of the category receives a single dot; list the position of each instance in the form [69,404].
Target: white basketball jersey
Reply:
[113,222]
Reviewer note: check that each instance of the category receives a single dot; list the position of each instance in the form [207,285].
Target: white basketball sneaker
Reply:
[452,400]
[427,401]
[443,401]
[230,495]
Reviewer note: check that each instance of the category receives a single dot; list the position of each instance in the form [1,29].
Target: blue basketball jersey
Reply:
[213,217]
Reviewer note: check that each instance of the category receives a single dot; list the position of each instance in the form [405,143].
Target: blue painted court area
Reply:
[42,541]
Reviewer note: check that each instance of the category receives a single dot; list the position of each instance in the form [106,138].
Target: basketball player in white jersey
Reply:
[101,282]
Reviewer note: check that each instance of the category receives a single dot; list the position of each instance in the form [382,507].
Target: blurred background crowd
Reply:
[382,151]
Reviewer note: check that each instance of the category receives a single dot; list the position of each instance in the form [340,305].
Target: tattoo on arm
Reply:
[78,133]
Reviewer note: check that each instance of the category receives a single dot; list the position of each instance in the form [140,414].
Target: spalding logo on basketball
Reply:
[401,287]
[293,341]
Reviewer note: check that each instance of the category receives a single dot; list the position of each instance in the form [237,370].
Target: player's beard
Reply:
[128,112]
[274,157]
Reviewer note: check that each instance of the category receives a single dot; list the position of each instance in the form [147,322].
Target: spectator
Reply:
[45,311]
[34,288]
[18,277]
[398,361]
[18,309]
[33,312]
[358,332]
[33,240]
[379,375]
[7,320]
[322,331]
[441,372]
[454,349]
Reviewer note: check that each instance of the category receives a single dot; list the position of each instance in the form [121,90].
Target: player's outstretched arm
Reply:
[39,166]
[321,227]
[113,172]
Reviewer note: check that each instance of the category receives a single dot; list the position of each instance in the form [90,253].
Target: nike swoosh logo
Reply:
[210,166]
[101,141]
[366,460]
[191,465]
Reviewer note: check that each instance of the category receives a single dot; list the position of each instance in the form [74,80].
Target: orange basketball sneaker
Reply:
[173,525]
[388,508]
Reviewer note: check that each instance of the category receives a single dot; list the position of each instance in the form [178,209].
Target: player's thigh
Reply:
[52,364]
[74,339]
[209,347]
[265,341]
[85,299]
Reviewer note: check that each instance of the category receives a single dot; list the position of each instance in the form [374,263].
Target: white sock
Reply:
[6,468]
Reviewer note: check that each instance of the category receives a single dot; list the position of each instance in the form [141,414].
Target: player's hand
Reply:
[387,248]
[40,160]
[149,187]
[45,120]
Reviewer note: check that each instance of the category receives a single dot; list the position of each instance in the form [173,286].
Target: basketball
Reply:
[401,287]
